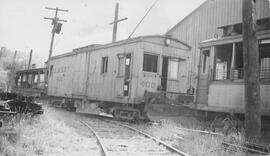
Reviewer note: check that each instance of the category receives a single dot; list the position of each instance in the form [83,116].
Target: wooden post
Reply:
[115,22]
[30,59]
[251,70]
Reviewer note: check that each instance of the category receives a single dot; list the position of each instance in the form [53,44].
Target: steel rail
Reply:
[245,148]
[103,148]
[199,131]
[224,143]
[171,148]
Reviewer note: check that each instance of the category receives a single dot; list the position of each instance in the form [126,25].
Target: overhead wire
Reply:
[142,19]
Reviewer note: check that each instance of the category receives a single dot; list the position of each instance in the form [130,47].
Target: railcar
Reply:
[115,77]
[31,82]
[220,87]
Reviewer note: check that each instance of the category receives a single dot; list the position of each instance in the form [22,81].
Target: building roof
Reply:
[185,18]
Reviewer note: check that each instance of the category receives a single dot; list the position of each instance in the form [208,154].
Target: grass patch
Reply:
[47,134]
[194,143]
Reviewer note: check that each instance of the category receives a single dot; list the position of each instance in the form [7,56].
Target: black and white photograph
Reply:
[134,77]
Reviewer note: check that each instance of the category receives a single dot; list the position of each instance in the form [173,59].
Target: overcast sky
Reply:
[23,28]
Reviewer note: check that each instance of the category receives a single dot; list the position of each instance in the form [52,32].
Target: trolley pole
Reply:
[30,59]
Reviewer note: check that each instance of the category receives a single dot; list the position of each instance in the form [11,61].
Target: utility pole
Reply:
[12,73]
[30,59]
[15,55]
[2,51]
[115,22]
[251,70]
[56,27]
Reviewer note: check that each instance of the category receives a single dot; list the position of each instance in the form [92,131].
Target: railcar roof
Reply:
[31,70]
[121,42]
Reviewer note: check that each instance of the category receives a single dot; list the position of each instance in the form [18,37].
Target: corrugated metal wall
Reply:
[202,24]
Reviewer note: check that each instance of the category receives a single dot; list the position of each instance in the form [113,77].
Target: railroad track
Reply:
[250,148]
[115,138]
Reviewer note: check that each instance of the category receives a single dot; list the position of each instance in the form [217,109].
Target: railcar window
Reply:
[264,47]
[24,77]
[121,67]
[150,63]
[35,78]
[104,68]
[173,69]
[19,81]
[223,61]
[30,77]
[206,54]
[237,71]
[41,81]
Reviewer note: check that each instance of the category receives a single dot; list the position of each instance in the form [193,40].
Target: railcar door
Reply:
[123,79]
[164,73]
[202,90]
[127,75]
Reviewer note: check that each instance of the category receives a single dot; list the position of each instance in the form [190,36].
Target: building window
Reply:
[150,63]
[173,69]
[104,67]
